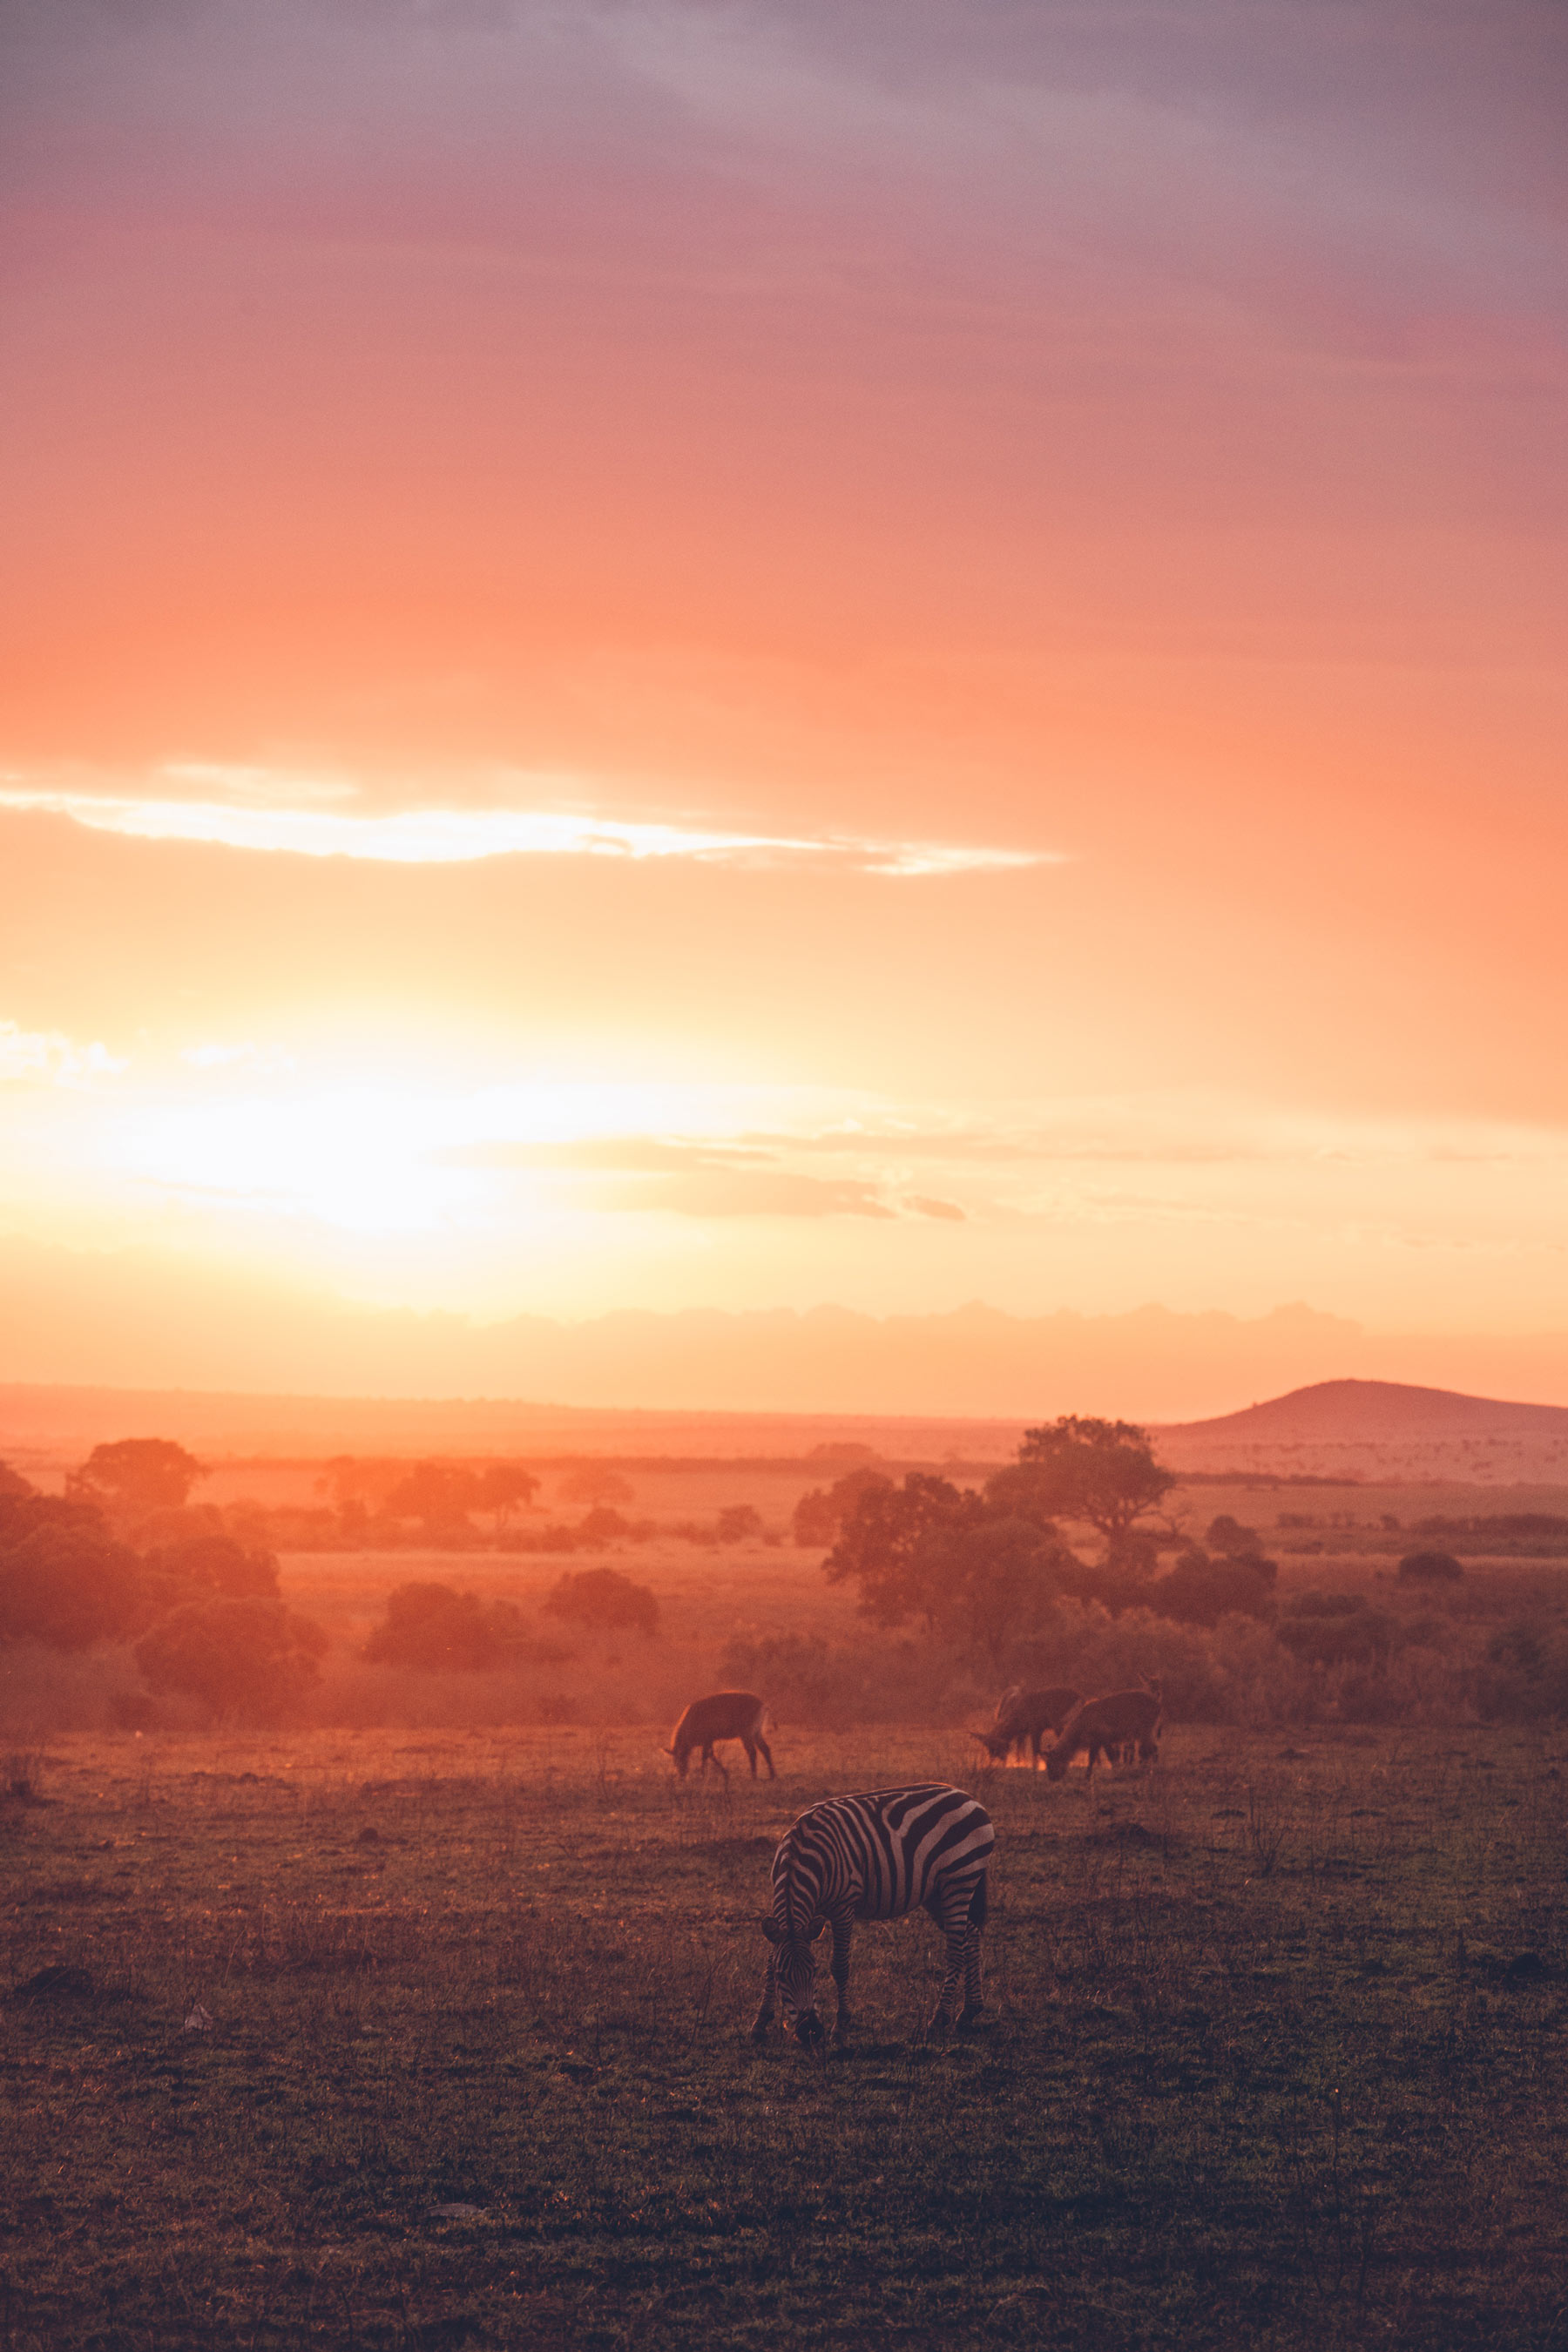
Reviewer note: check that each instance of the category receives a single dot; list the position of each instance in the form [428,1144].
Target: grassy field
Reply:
[1275,2057]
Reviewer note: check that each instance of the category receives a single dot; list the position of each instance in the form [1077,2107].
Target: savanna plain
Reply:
[1274,2054]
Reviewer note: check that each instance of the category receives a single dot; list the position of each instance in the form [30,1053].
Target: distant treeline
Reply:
[1534,1535]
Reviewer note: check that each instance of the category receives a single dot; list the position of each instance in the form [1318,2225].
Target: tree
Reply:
[253,1660]
[605,1600]
[994,1582]
[1079,1468]
[739,1523]
[1227,1534]
[818,1516]
[65,1582]
[433,1629]
[137,1474]
[881,1545]
[502,1488]
[439,1495]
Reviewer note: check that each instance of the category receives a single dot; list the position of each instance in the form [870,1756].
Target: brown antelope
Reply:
[1023,1716]
[1115,1725]
[725,1715]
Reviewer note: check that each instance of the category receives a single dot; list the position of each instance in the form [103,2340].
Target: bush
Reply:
[1429,1568]
[1200,1591]
[67,1583]
[253,1660]
[218,1564]
[740,1523]
[1227,1534]
[434,1629]
[604,1525]
[595,1481]
[605,1600]
[1361,1636]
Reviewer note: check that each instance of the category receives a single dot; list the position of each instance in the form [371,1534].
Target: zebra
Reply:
[876,1857]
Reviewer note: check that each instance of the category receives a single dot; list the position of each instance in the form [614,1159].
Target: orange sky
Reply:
[758,655]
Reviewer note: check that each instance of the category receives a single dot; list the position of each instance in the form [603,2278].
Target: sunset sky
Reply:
[754,655]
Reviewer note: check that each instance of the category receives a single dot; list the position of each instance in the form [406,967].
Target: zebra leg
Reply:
[973,1977]
[842,1931]
[765,2016]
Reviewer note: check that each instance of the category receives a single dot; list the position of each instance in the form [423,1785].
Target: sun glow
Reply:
[405,1159]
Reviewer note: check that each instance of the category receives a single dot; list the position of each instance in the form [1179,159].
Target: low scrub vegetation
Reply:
[936,1595]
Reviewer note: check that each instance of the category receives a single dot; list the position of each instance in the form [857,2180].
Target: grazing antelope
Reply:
[1023,1716]
[876,1857]
[726,1714]
[1114,1725]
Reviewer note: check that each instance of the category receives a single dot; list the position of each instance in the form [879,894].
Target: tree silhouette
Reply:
[1079,1468]
[440,1495]
[502,1488]
[65,1582]
[881,1545]
[137,1474]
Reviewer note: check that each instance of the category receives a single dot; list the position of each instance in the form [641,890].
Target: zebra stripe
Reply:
[875,1856]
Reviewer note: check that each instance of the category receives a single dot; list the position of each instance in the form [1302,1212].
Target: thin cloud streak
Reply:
[439,836]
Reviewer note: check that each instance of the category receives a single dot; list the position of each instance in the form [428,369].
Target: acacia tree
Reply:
[439,1495]
[502,1488]
[1079,1468]
[137,1474]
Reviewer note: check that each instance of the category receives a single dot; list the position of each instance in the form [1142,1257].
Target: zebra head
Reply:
[795,1975]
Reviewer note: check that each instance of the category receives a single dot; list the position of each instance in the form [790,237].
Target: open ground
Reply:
[1275,2052]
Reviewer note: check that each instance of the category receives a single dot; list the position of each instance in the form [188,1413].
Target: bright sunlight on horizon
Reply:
[732,661]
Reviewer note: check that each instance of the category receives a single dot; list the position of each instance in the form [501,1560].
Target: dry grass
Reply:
[1275,2055]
